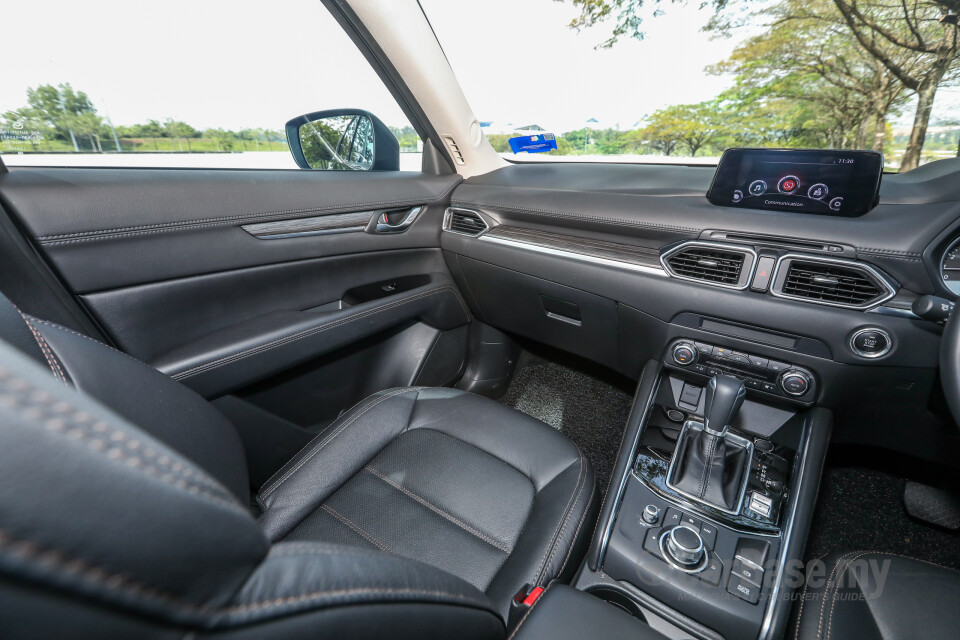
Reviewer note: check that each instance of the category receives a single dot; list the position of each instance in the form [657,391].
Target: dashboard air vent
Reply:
[710,264]
[464,221]
[834,283]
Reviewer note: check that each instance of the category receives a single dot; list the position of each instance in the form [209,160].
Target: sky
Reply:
[257,63]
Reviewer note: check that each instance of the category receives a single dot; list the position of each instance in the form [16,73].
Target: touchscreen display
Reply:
[838,183]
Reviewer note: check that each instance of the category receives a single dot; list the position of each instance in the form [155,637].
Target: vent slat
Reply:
[710,265]
[822,282]
[467,223]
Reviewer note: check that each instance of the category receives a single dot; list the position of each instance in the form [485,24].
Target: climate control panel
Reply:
[760,374]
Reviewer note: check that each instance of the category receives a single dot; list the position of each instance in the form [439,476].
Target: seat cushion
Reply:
[866,595]
[444,477]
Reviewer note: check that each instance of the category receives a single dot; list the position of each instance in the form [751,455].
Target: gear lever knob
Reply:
[724,398]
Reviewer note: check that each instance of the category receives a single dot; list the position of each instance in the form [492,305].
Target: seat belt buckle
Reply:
[521,603]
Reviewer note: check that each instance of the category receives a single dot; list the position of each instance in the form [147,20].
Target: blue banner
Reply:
[539,143]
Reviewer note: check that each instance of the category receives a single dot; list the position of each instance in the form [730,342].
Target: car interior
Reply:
[485,399]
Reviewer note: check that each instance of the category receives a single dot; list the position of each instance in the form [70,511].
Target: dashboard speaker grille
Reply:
[466,222]
[831,283]
[707,264]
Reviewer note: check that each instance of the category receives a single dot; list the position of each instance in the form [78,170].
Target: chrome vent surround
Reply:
[464,221]
[713,263]
[832,282]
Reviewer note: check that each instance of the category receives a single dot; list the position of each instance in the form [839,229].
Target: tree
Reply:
[88,124]
[925,28]
[56,108]
[222,137]
[808,56]
[178,130]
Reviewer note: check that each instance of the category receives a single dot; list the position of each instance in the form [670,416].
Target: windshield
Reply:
[636,81]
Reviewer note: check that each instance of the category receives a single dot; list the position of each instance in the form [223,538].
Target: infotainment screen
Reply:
[836,183]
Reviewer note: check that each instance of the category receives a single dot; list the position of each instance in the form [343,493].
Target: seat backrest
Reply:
[95,509]
[162,407]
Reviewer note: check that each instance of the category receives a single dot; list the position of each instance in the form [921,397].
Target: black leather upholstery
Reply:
[444,477]
[563,613]
[710,467]
[140,531]
[865,595]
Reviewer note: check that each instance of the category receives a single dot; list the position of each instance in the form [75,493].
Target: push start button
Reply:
[871,342]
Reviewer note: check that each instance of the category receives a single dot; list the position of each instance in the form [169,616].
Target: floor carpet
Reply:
[863,509]
[588,409]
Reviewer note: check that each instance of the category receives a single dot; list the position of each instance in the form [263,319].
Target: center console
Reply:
[705,519]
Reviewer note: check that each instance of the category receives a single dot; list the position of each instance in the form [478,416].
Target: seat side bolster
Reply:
[301,577]
[332,458]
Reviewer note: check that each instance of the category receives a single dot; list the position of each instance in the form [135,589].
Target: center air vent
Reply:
[464,221]
[711,263]
[837,283]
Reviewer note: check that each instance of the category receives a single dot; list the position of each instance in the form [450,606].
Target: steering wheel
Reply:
[950,364]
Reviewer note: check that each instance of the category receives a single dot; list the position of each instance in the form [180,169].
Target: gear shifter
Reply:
[725,396]
[710,464]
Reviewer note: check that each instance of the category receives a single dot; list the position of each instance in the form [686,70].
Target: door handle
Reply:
[394,220]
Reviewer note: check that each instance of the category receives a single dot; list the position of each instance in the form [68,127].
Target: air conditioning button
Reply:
[684,354]
[795,383]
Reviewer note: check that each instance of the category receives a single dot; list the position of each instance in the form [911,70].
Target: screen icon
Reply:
[835,204]
[757,188]
[818,191]
[788,184]
[737,195]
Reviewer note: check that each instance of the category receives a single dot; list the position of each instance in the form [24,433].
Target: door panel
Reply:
[110,228]
[197,273]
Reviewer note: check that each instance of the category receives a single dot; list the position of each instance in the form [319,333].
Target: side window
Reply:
[212,84]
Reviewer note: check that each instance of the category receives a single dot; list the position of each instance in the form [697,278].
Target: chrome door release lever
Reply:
[381,223]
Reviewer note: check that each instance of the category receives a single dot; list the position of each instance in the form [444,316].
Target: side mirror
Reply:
[343,140]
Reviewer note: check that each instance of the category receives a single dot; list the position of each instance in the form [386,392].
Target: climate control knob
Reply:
[684,546]
[684,353]
[795,383]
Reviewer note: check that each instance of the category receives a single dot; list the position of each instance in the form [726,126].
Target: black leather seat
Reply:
[132,515]
[865,595]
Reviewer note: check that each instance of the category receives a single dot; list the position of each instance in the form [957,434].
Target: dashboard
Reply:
[626,259]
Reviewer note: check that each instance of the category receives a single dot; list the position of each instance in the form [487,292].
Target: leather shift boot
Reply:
[710,468]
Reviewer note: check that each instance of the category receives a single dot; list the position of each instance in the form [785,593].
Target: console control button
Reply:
[651,514]
[748,571]
[708,533]
[773,365]
[704,348]
[684,353]
[652,543]
[769,387]
[761,504]
[743,589]
[711,573]
[672,518]
[757,361]
[795,383]
[689,521]
[684,546]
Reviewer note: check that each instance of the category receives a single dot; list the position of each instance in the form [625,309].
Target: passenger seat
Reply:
[125,503]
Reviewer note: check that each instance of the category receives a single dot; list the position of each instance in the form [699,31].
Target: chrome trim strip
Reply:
[582,257]
[680,503]
[312,226]
[448,216]
[743,442]
[712,245]
[644,417]
[851,264]
[787,533]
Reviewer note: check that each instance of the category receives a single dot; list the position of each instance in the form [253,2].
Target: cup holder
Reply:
[619,600]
